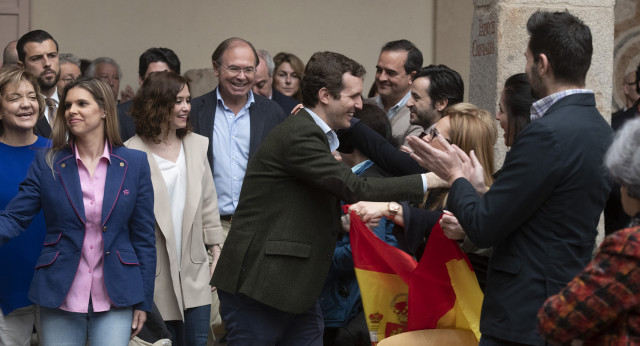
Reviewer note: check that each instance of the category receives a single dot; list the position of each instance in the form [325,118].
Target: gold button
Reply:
[64,165]
[121,164]
[104,229]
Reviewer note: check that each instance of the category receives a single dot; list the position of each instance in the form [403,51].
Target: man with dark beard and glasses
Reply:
[38,54]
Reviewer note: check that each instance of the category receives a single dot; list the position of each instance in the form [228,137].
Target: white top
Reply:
[175,178]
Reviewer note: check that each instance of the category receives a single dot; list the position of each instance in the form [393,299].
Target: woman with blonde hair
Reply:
[467,127]
[288,74]
[94,278]
[186,207]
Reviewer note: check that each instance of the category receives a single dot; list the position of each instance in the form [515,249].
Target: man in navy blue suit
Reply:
[541,214]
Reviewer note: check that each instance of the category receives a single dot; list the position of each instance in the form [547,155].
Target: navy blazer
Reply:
[378,149]
[126,124]
[264,116]
[287,103]
[128,227]
[42,128]
[540,215]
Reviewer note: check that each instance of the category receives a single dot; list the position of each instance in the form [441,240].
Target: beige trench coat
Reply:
[177,290]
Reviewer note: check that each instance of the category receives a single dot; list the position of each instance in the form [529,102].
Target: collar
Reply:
[393,110]
[106,153]
[250,99]
[332,137]
[540,107]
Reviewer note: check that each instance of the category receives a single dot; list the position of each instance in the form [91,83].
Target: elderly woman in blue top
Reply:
[94,278]
[20,108]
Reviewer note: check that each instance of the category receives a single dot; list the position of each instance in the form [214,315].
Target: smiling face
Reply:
[19,107]
[339,111]
[392,80]
[181,110]
[84,117]
[286,80]
[233,82]
[41,60]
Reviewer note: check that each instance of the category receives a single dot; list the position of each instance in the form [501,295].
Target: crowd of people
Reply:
[148,215]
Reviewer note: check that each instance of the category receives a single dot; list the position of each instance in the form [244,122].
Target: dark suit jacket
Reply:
[378,149]
[284,231]
[618,120]
[540,215]
[264,116]
[42,128]
[614,216]
[128,226]
[287,103]
[125,121]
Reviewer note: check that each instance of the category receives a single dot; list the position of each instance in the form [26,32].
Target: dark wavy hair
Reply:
[153,105]
[565,40]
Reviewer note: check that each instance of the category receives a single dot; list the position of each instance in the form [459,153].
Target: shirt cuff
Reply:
[424,183]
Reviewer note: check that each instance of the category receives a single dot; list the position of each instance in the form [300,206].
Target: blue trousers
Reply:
[194,330]
[249,322]
[108,328]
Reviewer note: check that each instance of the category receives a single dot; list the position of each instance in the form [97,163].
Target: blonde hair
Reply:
[471,129]
[13,76]
[61,137]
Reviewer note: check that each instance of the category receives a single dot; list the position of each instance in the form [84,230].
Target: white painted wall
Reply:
[123,29]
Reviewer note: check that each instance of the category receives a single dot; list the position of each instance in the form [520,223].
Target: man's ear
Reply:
[543,64]
[441,104]
[411,76]
[20,64]
[323,95]
[216,69]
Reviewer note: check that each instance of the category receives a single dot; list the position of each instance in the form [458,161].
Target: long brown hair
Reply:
[12,76]
[61,137]
[153,105]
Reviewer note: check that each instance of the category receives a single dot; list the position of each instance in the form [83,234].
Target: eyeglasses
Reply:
[433,133]
[235,70]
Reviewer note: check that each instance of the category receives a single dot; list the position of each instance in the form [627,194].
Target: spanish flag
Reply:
[401,295]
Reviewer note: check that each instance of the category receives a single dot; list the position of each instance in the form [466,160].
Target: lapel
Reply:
[67,169]
[207,118]
[193,152]
[161,205]
[116,171]
[43,128]
[305,115]
[256,127]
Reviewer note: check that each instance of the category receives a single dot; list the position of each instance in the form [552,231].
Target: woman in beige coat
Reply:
[185,205]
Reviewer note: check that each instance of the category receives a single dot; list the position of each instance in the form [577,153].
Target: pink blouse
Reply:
[89,280]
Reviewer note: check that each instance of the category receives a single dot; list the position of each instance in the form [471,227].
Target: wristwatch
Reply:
[393,208]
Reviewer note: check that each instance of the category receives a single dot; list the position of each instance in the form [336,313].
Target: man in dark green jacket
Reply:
[279,249]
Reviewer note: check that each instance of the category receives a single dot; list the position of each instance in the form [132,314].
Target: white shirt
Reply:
[175,178]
